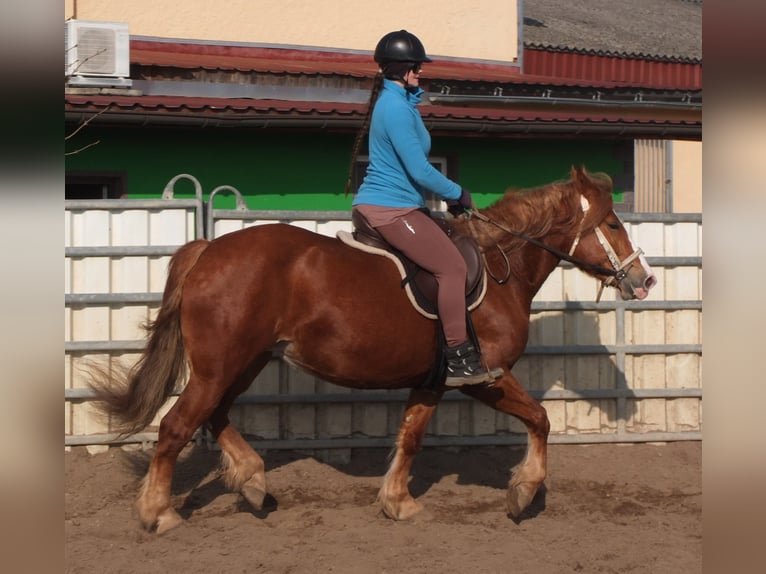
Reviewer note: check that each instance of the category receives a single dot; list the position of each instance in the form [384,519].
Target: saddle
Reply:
[421,285]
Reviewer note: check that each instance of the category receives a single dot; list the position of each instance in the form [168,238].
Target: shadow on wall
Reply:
[568,353]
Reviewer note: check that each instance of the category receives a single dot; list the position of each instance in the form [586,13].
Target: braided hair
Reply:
[377,84]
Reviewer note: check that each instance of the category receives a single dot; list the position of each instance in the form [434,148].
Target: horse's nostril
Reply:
[650,282]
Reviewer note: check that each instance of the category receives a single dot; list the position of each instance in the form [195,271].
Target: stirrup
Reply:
[480,378]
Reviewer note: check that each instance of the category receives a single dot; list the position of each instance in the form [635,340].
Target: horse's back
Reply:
[280,236]
[274,245]
[291,264]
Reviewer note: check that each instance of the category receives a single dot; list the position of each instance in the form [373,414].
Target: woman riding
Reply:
[392,195]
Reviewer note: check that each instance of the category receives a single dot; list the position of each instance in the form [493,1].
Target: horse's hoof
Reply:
[167,520]
[402,511]
[519,497]
[254,495]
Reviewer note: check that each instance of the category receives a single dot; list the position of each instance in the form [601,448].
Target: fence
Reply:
[611,371]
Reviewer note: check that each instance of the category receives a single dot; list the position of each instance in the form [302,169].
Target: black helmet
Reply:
[400,46]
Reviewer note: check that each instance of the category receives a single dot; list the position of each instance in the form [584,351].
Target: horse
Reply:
[340,314]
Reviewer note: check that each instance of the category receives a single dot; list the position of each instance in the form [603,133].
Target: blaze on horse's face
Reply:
[609,246]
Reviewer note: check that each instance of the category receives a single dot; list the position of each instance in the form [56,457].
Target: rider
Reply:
[392,194]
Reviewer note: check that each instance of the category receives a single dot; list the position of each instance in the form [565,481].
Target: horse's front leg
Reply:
[394,497]
[508,396]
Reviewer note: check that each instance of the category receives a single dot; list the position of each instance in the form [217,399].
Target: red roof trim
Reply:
[598,70]
[294,61]
[222,106]
[610,54]
[543,68]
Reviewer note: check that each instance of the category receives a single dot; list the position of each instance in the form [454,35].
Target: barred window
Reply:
[433,201]
[95,185]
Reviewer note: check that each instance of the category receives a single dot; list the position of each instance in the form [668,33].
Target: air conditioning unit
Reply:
[97,53]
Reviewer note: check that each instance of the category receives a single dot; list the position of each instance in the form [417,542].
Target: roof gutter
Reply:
[598,103]
[563,128]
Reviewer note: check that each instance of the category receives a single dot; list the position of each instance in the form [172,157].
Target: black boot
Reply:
[464,367]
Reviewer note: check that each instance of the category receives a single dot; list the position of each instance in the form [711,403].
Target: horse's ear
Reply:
[579,175]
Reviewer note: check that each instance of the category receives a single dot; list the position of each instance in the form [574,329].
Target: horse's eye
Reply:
[614,226]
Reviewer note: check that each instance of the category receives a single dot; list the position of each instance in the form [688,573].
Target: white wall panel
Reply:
[126,322]
[112,272]
[552,289]
[90,228]
[158,272]
[91,275]
[129,275]
[130,227]
[682,239]
[140,274]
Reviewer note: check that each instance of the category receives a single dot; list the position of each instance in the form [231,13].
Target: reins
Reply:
[613,275]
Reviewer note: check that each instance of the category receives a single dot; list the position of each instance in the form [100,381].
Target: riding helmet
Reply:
[400,46]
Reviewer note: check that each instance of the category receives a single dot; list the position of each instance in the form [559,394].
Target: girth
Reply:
[422,284]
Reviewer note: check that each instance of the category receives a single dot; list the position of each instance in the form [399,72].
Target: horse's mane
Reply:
[547,209]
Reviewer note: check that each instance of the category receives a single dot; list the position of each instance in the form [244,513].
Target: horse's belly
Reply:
[368,363]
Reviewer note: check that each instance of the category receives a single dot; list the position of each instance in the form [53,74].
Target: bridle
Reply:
[619,266]
[614,276]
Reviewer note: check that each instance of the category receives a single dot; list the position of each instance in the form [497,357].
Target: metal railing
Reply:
[620,350]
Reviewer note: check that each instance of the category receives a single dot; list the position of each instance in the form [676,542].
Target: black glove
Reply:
[458,206]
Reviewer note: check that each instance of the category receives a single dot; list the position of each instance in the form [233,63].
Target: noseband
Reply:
[614,276]
[619,266]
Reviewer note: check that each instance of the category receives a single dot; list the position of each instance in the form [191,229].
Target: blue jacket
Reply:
[399,174]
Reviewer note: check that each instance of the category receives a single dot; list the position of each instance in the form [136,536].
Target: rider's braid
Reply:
[376,85]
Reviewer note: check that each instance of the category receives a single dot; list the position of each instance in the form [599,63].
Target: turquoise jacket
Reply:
[399,174]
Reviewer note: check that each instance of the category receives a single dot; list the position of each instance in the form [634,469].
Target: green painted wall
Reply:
[488,167]
[307,170]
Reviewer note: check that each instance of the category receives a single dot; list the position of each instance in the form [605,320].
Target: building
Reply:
[268,99]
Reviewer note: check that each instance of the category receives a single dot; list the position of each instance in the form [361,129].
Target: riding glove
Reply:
[458,206]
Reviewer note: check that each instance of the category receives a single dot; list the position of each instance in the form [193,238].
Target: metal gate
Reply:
[611,371]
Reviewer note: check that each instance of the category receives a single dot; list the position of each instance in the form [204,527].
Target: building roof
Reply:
[228,112]
[649,29]
[542,67]
[612,67]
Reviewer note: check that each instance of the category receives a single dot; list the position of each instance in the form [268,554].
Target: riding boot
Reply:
[464,367]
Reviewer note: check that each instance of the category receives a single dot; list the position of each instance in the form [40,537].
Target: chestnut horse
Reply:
[340,314]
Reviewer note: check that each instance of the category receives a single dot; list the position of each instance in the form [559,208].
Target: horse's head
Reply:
[603,242]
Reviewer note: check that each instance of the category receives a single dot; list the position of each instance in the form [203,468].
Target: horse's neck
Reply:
[534,265]
[531,264]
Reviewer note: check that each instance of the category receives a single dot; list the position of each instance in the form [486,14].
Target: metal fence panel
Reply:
[611,371]
[116,255]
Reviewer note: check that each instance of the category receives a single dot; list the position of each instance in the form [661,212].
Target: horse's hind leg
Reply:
[394,496]
[192,409]
[244,470]
[508,396]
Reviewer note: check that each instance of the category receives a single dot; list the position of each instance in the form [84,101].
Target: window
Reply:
[95,185]
[433,202]
[624,181]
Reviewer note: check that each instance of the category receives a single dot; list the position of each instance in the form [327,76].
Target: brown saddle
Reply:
[422,283]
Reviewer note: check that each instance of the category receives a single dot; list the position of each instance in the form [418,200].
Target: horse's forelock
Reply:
[599,194]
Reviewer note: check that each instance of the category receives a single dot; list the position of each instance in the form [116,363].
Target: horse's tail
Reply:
[149,383]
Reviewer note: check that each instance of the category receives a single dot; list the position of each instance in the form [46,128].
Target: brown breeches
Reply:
[424,242]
